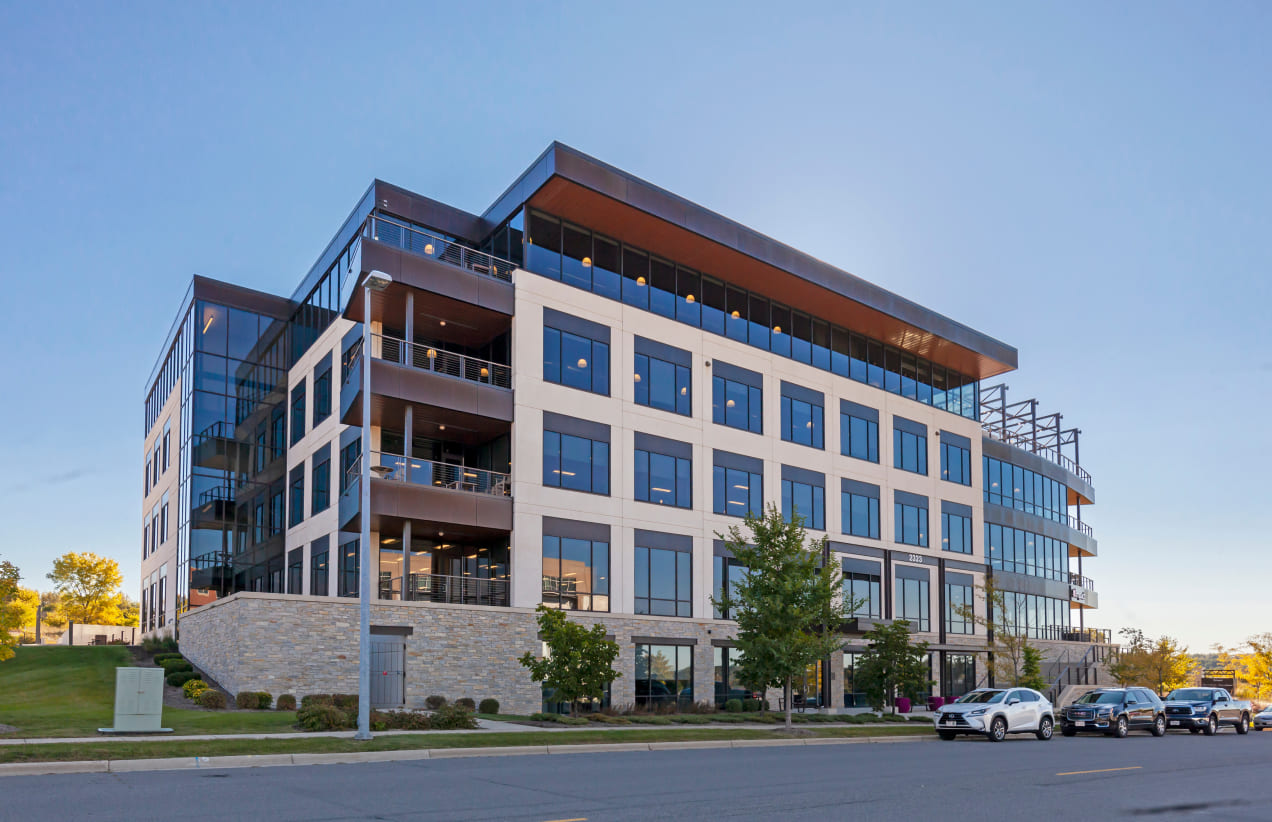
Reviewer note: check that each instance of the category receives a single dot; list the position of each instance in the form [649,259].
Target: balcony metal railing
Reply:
[464,590]
[392,232]
[441,361]
[1079,526]
[416,471]
[1081,581]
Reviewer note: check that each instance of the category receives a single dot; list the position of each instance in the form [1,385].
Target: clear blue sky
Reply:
[1087,181]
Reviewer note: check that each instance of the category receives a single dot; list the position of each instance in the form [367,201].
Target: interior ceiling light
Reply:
[777,329]
[640,281]
[428,248]
[587,262]
[689,298]
[735,315]
[637,376]
[729,403]
[582,363]
[441,428]
[442,323]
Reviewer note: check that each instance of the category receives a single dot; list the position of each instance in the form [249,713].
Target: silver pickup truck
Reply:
[1204,710]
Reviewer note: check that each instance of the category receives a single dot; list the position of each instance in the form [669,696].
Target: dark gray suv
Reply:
[1115,712]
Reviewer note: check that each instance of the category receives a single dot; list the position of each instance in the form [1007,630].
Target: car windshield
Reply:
[1102,697]
[1189,694]
[982,696]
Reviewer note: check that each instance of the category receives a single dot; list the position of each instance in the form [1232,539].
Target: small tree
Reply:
[1162,663]
[892,666]
[1031,670]
[89,586]
[1257,665]
[786,605]
[10,610]
[1006,642]
[579,662]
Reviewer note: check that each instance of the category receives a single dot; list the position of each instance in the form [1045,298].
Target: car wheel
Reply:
[946,735]
[1159,726]
[1212,726]
[1067,731]
[1243,727]
[1045,728]
[1122,728]
[997,730]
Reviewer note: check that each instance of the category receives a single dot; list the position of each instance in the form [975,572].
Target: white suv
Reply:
[996,712]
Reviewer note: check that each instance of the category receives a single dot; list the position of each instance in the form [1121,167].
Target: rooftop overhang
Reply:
[581,189]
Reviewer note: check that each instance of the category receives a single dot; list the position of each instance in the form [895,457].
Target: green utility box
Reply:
[138,702]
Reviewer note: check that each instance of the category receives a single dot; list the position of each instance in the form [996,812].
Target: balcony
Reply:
[426,491]
[414,471]
[436,360]
[1082,592]
[462,590]
[398,234]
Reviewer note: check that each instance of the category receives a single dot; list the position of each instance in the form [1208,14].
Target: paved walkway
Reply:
[487,726]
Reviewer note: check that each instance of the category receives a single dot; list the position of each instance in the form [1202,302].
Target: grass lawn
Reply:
[231,747]
[70,691]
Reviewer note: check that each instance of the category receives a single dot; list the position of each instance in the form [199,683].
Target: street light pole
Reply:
[374,282]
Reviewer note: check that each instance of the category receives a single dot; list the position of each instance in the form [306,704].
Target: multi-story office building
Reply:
[571,396]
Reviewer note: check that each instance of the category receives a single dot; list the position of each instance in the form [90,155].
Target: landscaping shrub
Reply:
[181,678]
[348,702]
[153,644]
[489,706]
[750,705]
[733,706]
[314,700]
[560,719]
[212,698]
[434,702]
[253,700]
[286,702]
[690,719]
[323,718]
[172,666]
[894,718]
[727,718]
[606,719]
[466,703]
[453,718]
[650,720]
[400,721]
[192,688]
[163,657]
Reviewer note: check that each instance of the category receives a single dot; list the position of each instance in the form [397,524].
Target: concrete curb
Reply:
[278,760]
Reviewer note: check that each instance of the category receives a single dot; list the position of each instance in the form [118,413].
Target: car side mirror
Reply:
[1012,701]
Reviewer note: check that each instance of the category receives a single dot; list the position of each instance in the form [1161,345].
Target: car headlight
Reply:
[978,712]
[1107,710]
[1201,709]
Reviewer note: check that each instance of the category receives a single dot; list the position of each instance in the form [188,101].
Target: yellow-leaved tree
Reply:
[9,609]
[89,588]
[1162,664]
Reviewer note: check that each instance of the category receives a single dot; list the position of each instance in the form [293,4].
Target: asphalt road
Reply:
[1221,777]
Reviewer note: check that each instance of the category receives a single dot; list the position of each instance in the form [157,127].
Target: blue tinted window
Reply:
[663,582]
[859,438]
[297,413]
[802,423]
[321,481]
[569,359]
[956,533]
[576,463]
[576,574]
[909,451]
[809,501]
[956,464]
[737,492]
[663,479]
[736,405]
[911,523]
[913,603]
[860,515]
[664,385]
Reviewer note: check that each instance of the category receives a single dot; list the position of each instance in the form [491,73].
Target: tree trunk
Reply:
[787,692]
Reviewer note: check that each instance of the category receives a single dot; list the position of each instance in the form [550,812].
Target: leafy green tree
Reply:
[579,661]
[10,610]
[1031,670]
[786,605]
[89,587]
[892,666]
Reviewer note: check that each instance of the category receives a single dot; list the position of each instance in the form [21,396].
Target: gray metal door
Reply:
[388,672]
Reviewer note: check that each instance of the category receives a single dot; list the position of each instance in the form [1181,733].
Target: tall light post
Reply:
[375,281]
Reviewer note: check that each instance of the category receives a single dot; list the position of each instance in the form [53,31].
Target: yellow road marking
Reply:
[576,819]
[1101,770]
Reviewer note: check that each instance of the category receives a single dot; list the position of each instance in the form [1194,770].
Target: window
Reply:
[663,581]
[725,572]
[863,587]
[155,465]
[575,352]
[348,569]
[956,528]
[259,522]
[575,574]
[802,416]
[1024,552]
[664,675]
[958,595]
[853,698]
[575,461]
[163,519]
[295,568]
[727,685]
[278,429]
[1015,487]
[662,377]
[167,443]
[858,431]
[909,446]
[737,398]
[145,477]
[860,509]
[804,493]
[296,496]
[318,572]
[912,601]
[1037,617]
[738,485]
[348,459]
[956,458]
[276,512]
[298,413]
[145,539]
[910,519]
[322,390]
[958,674]
[664,471]
[321,481]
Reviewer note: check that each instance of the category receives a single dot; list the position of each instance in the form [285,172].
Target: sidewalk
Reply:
[487,726]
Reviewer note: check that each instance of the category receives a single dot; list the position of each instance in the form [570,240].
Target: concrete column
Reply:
[406,555]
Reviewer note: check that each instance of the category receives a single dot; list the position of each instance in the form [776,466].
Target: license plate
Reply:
[1080,723]
[1174,722]
[949,720]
